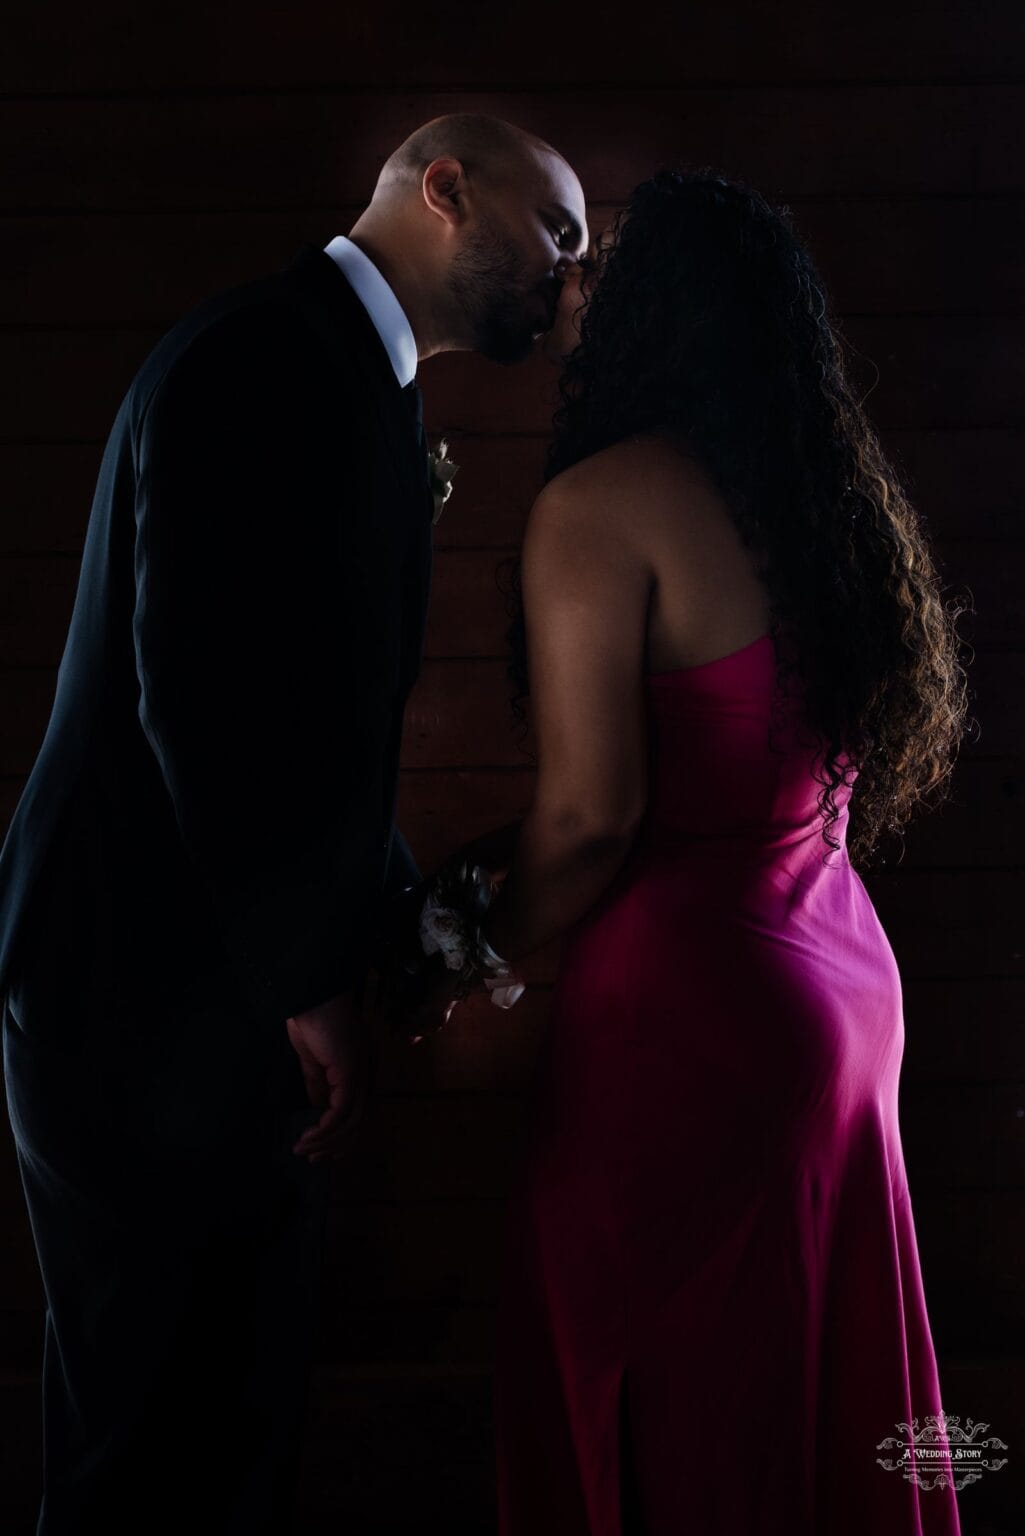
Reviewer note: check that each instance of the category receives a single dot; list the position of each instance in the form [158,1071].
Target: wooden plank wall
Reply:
[152,159]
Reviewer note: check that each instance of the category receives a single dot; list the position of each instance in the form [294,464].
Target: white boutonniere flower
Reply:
[441,928]
[442,472]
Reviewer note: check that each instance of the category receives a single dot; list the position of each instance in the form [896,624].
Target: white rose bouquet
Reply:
[447,911]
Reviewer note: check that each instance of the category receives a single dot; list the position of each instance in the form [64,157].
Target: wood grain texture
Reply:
[967,483]
[321,148]
[924,372]
[876,255]
[470,612]
[194,49]
[459,716]
[156,158]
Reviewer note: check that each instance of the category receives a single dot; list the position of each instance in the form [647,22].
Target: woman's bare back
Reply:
[707,597]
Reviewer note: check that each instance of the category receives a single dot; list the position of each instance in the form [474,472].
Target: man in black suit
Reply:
[192,886]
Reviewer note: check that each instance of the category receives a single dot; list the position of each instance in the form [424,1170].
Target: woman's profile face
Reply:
[564,335]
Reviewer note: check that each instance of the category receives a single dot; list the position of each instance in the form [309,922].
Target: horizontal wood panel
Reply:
[533,45]
[454,1336]
[50,486]
[384,1449]
[914,372]
[482,1048]
[412,1332]
[431,1246]
[440,810]
[958,1030]
[146,172]
[876,256]
[348,1414]
[459,715]
[470,613]
[350,1455]
[982,823]
[465,1147]
[948,922]
[382,1446]
[323,149]
[420,1145]
[388,1452]
[981,826]
[964,1029]
[445,1253]
[963,1135]
[440,1252]
[406,1280]
[984,1122]
[433,1257]
[965,484]
[972,1253]
[468,703]
[991,1389]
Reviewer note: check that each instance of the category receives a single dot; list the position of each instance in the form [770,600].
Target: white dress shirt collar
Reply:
[378,299]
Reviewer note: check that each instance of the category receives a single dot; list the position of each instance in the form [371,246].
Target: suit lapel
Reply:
[351,335]
[346,320]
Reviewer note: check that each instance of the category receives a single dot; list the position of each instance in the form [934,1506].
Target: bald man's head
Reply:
[481,218]
[489,149]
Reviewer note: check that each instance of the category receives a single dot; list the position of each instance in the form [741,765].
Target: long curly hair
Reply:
[707,317]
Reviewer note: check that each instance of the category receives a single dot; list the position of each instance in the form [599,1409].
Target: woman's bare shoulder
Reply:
[630,487]
[652,454]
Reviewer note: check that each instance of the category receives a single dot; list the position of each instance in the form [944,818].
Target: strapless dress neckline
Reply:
[703,666]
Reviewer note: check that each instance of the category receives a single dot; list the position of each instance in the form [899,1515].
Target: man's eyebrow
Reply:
[572,224]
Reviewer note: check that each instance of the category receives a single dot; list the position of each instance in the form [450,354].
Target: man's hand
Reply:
[333,1044]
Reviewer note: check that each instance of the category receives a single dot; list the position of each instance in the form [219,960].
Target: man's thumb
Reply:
[317,1090]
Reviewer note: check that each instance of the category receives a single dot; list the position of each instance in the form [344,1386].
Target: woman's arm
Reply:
[554,877]
[586,588]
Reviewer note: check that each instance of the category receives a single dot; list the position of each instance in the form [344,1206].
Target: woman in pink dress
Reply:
[741,677]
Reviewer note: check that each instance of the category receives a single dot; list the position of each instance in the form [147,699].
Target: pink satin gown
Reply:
[711,1307]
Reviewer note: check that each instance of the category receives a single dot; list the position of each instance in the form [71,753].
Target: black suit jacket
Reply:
[215,792]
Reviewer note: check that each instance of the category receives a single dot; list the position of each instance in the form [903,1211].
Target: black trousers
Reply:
[179,1240]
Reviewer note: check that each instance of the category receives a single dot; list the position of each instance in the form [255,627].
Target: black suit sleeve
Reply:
[266,714]
[402,867]
[393,917]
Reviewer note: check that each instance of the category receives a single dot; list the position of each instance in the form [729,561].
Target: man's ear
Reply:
[444,188]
